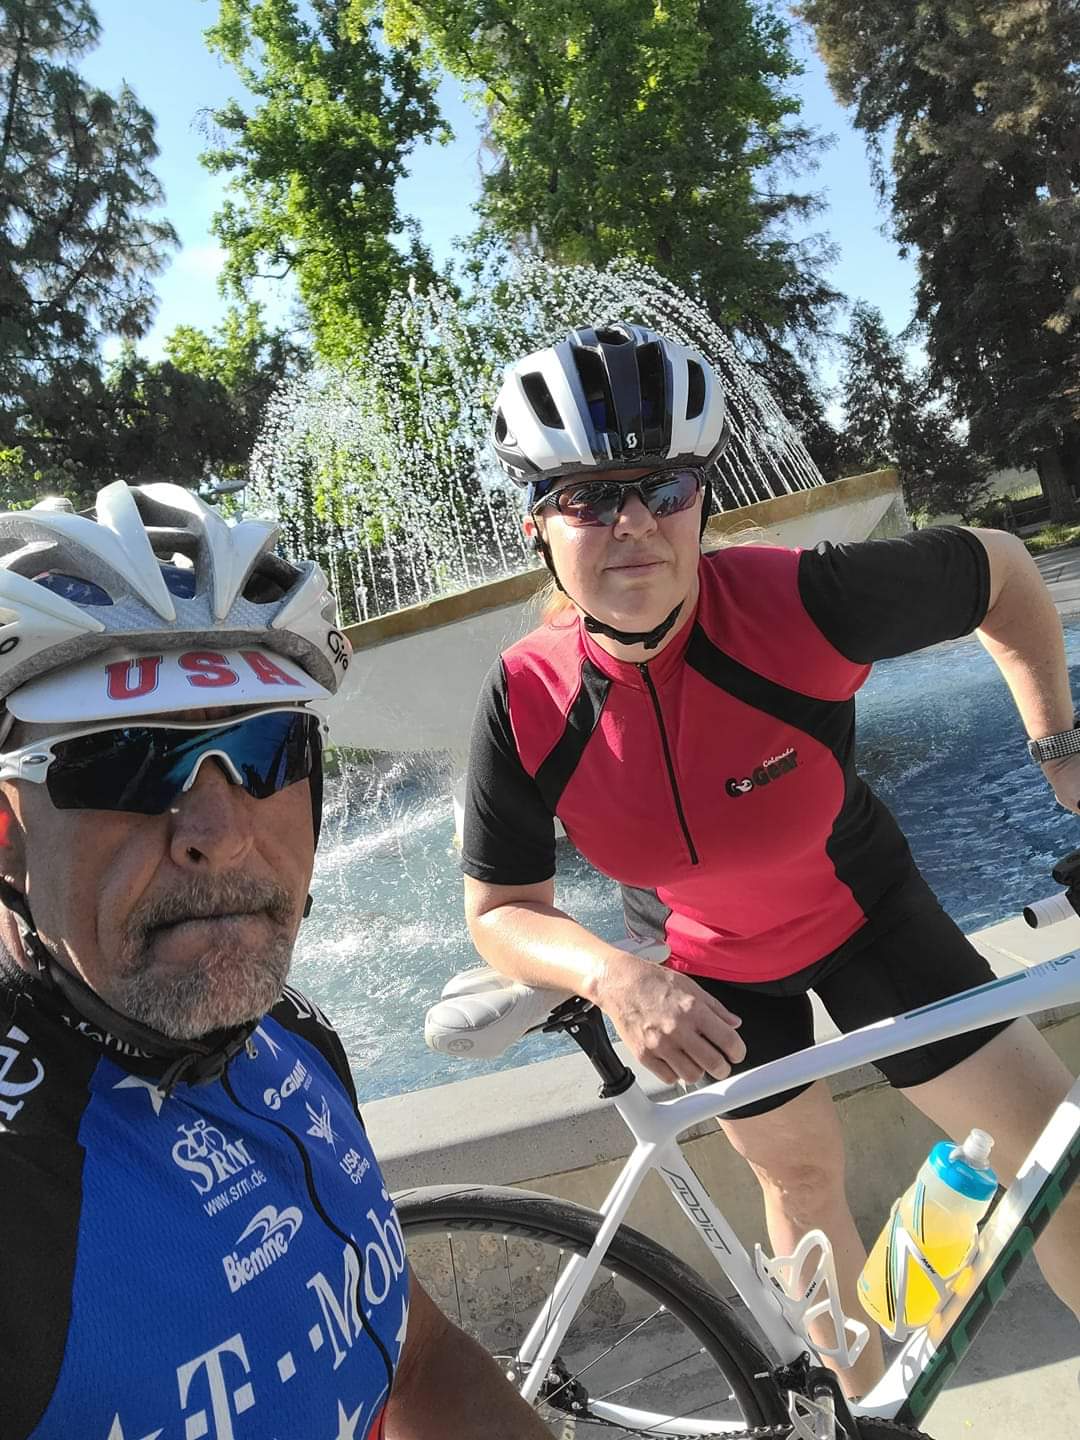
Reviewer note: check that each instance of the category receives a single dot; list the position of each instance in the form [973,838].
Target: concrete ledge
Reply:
[415,675]
[802,503]
[544,1127]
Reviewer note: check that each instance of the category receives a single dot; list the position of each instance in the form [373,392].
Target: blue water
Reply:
[939,740]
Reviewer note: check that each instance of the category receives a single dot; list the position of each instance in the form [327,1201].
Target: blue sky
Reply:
[157,47]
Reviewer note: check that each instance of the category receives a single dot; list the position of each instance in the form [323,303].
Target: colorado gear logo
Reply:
[766,772]
[274,1229]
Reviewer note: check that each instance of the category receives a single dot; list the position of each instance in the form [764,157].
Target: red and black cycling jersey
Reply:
[716,782]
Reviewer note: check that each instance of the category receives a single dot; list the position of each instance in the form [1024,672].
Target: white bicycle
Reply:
[608,1334]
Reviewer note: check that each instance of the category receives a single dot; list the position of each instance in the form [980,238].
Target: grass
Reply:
[1053,537]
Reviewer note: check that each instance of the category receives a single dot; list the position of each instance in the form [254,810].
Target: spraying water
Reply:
[383,473]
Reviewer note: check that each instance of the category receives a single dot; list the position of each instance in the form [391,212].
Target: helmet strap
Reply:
[198,1062]
[706,507]
[648,639]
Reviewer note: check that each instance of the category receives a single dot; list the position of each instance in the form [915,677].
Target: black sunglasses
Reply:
[143,769]
[598,502]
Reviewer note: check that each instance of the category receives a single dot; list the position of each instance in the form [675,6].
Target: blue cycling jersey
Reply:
[221,1261]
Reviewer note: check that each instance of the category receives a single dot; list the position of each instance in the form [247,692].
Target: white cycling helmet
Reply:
[620,396]
[154,569]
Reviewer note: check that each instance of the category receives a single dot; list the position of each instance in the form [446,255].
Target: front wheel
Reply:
[651,1351]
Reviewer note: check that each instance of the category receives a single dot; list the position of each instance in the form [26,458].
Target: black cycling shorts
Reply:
[909,953]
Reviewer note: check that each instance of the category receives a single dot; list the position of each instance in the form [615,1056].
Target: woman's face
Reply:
[632,574]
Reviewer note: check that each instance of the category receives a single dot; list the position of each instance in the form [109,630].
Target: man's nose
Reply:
[211,821]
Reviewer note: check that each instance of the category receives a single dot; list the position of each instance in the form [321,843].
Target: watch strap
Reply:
[1057,746]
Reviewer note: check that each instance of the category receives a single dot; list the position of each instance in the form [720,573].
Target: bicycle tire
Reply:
[724,1362]
[888,1430]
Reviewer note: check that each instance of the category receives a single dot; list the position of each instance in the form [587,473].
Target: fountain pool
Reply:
[938,739]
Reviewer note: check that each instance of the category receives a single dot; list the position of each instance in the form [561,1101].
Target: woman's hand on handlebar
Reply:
[670,1024]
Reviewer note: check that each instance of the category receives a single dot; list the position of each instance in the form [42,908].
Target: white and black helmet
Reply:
[154,567]
[618,396]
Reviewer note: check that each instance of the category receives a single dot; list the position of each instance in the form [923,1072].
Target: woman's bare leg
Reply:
[797,1154]
[1010,1088]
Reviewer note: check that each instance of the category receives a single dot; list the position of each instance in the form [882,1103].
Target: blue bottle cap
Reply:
[965,1179]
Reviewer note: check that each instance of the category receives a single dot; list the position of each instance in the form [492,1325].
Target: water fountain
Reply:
[392,458]
[385,475]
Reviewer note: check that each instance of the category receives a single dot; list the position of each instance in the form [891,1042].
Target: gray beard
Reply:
[224,987]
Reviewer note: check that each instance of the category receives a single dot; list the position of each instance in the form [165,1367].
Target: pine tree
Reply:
[892,418]
[77,246]
[981,99]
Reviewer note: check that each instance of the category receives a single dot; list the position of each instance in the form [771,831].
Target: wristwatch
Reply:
[1056,747]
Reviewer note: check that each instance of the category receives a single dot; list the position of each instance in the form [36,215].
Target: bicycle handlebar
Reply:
[1050,911]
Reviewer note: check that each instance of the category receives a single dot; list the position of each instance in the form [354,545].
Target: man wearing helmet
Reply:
[194,1234]
[690,720]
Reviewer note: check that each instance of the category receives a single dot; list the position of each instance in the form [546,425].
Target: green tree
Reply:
[194,415]
[247,362]
[77,246]
[800,397]
[981,102]
[313,164]
[633,128]
[893,418]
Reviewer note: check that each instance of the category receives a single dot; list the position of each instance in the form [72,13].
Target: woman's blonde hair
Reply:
[551,603]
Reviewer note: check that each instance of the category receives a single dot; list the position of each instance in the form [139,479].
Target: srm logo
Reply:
[766,772]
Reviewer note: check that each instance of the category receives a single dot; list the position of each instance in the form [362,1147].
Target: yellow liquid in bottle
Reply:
[944,1236]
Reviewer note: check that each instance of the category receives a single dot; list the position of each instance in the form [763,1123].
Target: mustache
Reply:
[207,899]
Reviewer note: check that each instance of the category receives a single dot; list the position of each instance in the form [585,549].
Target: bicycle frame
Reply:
[930,1355]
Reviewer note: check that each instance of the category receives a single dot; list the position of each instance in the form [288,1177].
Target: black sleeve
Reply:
[887,597]
[508,833]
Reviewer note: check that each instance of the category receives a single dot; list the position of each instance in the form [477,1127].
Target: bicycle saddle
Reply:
[482,1013]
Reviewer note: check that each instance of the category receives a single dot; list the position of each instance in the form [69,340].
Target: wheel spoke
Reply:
[649,1351]
[453,1271]
[660,1369]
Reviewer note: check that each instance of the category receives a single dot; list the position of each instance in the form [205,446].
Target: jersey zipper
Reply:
[320,1210]
[669,762]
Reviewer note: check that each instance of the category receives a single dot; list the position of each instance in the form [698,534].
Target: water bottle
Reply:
[940,1212]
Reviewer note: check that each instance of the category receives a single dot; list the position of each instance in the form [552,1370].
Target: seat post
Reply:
[584,1023]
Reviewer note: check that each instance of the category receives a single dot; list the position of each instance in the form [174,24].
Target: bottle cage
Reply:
[909,1257]
[805,1285]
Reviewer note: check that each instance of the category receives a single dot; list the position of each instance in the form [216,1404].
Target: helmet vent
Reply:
[500,427]
[651,381]
[73,588]
[594,381]
[695,394]
[540,398]
[269,581]
[612,337]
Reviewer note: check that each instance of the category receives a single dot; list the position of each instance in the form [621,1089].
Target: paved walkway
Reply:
[1061,571]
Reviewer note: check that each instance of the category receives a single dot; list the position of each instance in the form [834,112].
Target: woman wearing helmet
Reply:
[690,720]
